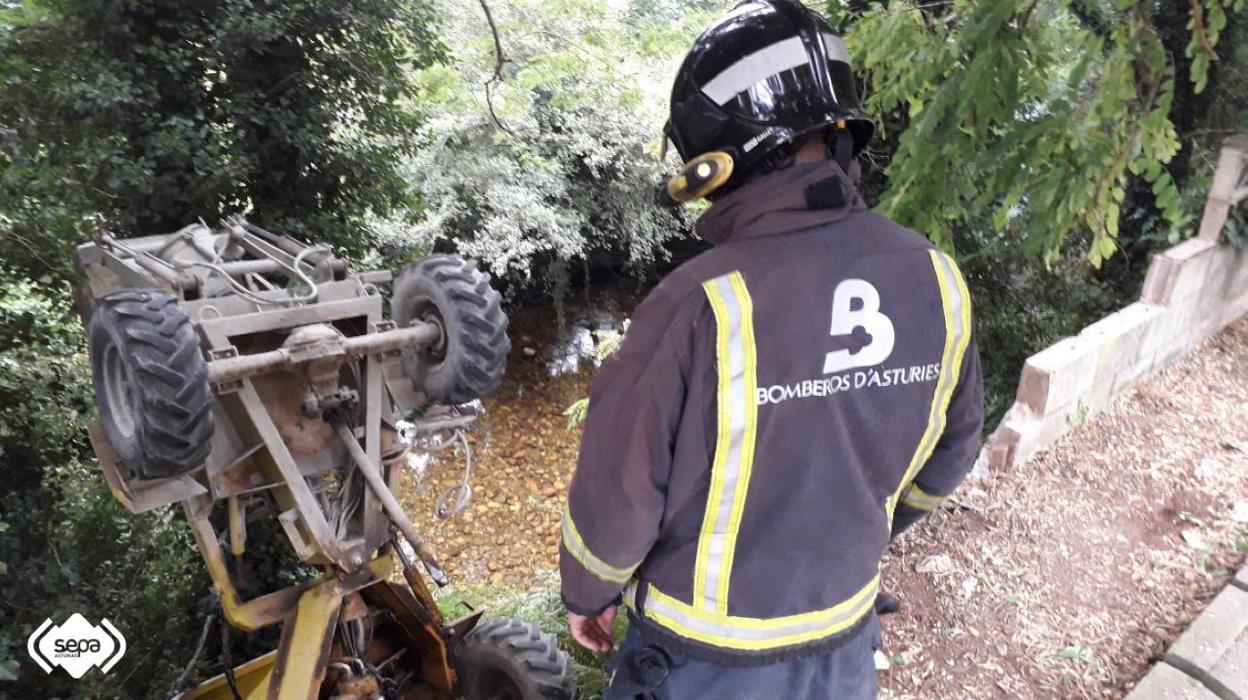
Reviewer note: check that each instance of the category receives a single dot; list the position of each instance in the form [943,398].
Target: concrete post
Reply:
[1229,188]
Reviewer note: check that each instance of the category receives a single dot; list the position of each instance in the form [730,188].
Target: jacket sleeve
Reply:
[955,452]
[617,496]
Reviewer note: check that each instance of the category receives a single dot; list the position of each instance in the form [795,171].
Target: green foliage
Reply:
[67,545]
[1235,231]
[1208,19]
[1035,117]
[144,115]
[549,158]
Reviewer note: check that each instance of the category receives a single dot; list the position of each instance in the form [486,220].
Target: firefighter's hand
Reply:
[593,633]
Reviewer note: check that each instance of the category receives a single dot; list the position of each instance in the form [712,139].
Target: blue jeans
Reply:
[645,670]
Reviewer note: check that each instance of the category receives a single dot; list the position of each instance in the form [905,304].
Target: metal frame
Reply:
[266,342]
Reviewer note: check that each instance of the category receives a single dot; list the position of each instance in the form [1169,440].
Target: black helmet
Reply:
[756,82]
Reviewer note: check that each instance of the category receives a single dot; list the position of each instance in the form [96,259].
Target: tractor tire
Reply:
[151,384]
[512,659]
[469,360]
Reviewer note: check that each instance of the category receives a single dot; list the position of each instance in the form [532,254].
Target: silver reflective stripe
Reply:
[953,306]
[579,551]
[835,48]
[948,374]
[756,67]
[783,55]
[737,395]
[759,633]
[630,594]
[955,291]
[916,497]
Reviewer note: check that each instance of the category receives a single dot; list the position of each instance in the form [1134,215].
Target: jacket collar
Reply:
[783,201]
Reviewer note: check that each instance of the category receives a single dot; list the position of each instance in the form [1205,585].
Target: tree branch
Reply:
[199,651]
[1022,24]
[500,59]
[489,105]
[1198,28]
[1124,153]
[1090,17]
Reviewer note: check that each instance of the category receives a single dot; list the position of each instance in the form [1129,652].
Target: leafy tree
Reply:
[142,115]
[139,116]
[541,151]
[1053,130]
[1036,113]
[66,545]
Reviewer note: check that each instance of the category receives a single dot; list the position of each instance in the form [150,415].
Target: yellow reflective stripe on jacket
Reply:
[751,633]
[956,302]
[916,497]
[737,366]
[576,547]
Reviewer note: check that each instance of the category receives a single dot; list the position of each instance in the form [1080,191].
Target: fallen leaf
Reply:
[881,661]
[1209,468]
[1239,513]
[1195,540]
[968,587]
[935,564]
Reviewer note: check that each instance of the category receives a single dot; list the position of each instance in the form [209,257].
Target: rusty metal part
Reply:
[417,584]
[252,680]
[238,526]
[351,686]
[304,435]
[323,344]
[248,615]
[391,504]
[309,385]
[421,634]
[458,630]
[243,366]
[138,496]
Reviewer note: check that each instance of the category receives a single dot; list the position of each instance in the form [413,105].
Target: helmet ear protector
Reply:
[698,178]
[706,173]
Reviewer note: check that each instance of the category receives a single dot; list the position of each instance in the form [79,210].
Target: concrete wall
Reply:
[1192,291]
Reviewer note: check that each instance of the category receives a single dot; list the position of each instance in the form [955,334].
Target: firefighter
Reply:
[783,404]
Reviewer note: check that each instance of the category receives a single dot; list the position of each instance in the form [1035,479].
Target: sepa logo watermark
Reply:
[76,646]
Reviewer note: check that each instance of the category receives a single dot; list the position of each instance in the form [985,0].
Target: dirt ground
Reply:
[1069,577]
[1063,579]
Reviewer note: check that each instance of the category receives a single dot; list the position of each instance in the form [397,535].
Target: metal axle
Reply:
[235,368]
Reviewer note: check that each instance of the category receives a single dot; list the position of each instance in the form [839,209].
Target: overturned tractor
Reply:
[248,377]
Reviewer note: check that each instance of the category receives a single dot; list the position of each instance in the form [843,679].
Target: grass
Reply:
[538,603]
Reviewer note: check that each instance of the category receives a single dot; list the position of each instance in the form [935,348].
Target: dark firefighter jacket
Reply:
[780,406]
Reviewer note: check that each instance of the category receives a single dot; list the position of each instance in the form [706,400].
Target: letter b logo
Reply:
[856,315]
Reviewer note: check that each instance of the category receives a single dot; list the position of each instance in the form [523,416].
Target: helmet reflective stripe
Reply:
[835,48]
[764,63]
[755,68]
